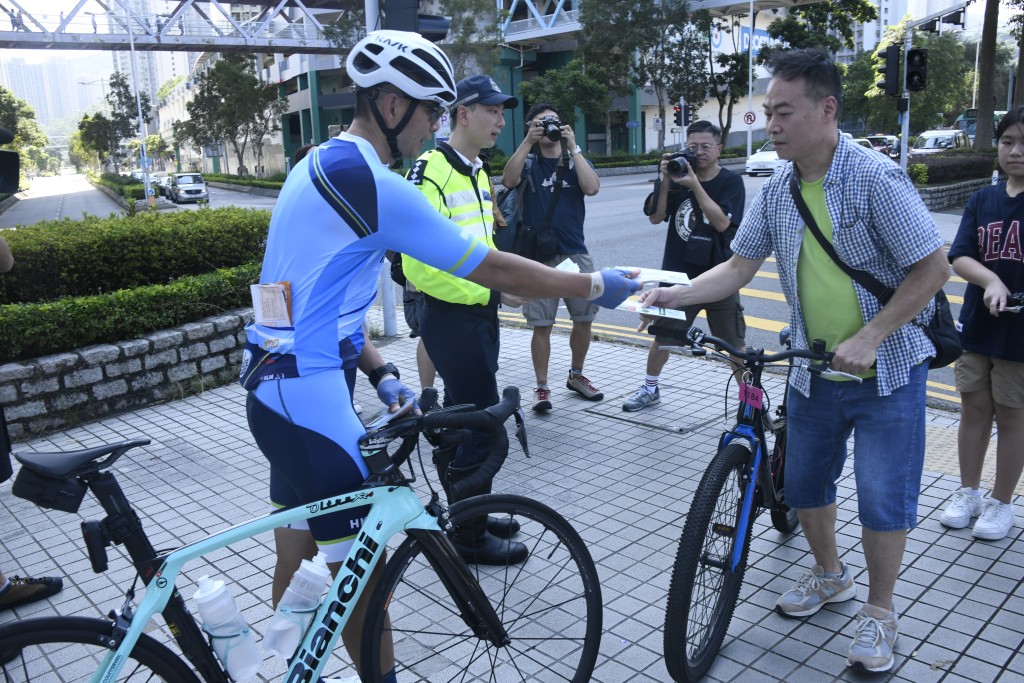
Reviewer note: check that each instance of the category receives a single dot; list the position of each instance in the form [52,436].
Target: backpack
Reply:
[510,204]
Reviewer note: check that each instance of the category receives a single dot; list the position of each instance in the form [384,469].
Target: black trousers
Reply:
[463,343]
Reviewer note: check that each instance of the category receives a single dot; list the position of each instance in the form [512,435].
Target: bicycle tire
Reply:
[71,649]
[784,518]
[550,605]
[701,596]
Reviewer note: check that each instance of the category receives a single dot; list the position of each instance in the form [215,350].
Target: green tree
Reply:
[124,110]
[474,37]
[986,65]
[655,38]
[570,87]
[99,135]
[17,116]
[80,155]
[828,25]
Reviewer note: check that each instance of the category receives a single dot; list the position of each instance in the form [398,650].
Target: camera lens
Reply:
[675,167]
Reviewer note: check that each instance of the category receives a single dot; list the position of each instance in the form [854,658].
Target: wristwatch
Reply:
[576,150]
[386,369]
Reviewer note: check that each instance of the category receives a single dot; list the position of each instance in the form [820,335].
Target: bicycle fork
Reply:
[745,517]
[474,606]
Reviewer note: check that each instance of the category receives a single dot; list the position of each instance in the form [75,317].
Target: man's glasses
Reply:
[701,148]
[434,110]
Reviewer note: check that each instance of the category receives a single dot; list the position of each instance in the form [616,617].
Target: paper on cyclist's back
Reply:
[271,304]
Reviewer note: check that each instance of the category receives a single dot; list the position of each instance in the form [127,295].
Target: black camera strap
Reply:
[560,169]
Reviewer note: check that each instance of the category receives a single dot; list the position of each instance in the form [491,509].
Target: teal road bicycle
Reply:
[539,620]
[744,478]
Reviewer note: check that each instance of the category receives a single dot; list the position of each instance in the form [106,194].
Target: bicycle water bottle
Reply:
[297,607]
[233,640]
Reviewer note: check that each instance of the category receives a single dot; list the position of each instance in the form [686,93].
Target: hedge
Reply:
[954,166]
[63,258]
[39,329]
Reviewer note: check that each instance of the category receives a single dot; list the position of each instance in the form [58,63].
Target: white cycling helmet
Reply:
[405,60]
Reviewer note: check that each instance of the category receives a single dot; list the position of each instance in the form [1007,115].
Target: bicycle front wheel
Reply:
[703,590]
[550,605]
[72,648]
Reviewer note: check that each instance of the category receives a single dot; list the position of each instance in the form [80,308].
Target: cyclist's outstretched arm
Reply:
[516,275]
[721,281]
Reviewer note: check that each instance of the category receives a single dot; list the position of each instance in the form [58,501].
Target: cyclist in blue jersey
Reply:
[338,212]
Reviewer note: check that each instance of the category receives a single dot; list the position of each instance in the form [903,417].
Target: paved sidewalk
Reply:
[623,479]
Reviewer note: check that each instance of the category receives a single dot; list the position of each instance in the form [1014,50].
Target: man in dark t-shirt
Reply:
[703,208]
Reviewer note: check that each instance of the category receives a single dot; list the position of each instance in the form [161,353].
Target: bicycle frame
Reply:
[393,509]
[750,428]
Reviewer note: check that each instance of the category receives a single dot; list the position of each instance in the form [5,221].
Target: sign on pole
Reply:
[749,118]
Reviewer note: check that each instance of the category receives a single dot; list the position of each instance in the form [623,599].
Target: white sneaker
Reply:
[995,521]
[961,509]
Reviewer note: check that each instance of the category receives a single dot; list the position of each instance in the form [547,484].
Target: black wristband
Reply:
[386,369]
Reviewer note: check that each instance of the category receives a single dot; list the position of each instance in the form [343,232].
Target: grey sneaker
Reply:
[814,590]
[874,639]
[642,398]
[584,387]
[961,509]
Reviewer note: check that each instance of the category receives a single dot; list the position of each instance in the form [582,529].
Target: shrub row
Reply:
[126,186]
[65,258]
[954,166]
[39,329]
[273,182]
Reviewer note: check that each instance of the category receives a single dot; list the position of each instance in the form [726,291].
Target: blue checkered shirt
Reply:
[880,225]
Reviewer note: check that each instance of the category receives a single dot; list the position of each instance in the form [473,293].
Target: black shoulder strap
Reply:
[865,279]
[560,169]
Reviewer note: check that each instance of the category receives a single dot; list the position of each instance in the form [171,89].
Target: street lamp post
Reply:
[103,89]
[143,159]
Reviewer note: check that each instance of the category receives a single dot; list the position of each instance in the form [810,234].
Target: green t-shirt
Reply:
[829,302]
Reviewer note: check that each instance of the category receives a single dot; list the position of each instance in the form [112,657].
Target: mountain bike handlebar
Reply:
[752,357]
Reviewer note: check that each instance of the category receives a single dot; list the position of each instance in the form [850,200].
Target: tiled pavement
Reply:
[623,479]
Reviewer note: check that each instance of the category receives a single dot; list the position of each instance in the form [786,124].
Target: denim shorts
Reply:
[888,447]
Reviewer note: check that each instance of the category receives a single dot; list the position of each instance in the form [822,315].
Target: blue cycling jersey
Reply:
[339,210]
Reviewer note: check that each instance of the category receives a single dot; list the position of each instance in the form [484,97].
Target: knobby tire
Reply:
[703,591]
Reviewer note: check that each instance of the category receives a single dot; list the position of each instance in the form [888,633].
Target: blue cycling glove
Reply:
[391,391]
[613,287]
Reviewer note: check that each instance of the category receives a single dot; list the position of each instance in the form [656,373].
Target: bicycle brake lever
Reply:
[521,429]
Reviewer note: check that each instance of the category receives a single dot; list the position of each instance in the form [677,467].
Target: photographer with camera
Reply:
[547,157]
[703,204]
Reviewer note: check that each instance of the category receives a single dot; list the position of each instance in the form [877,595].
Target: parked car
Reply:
[163,186]
[863,142]
[935,141]
[764,160]
[187,187]
[883,143]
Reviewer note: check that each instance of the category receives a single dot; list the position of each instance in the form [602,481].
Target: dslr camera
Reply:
[677,167]
[552,127]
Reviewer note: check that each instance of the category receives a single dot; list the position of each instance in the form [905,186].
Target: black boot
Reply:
[443,459]
[472,539]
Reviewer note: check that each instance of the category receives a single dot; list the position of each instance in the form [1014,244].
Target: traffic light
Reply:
[955,18]
[678,115]
[917,69]
[890,71]
[403,15]
[689,114]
